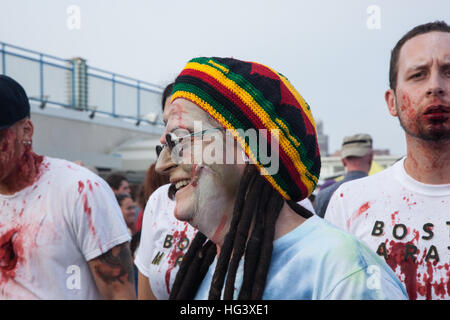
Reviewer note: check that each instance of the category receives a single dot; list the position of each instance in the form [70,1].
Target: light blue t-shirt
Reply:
[317,260]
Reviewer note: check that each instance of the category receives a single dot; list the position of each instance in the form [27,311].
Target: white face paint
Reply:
[205,192]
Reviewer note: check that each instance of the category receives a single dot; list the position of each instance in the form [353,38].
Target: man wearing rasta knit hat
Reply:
[254,242]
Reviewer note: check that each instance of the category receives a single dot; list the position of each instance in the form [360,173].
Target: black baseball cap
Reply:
[14,104]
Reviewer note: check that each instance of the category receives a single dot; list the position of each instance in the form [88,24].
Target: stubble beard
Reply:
[425,132]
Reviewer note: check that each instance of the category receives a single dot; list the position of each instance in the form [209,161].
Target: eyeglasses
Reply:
[172,140]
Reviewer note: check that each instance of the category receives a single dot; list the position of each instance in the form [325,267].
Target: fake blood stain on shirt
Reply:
[8,256]
[88,210]
[402,259]
[18,244]
[80,187]
[394,217]
[11,255]
[364,207]
[18,235]
[409,202]
[178,237]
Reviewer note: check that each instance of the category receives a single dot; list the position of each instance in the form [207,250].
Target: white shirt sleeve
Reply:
[306,203]
[97,220]
[143,258]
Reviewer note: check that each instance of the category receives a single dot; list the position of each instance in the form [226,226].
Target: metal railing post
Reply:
[73,84]
[114,95]
[138,101]
[78,77]
[3,59]
[41,73]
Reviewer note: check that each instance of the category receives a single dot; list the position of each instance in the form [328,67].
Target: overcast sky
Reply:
[336,53]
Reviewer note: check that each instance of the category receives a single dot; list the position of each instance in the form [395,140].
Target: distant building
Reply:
[382,152]
[376,152]
[322,139]
[332,166]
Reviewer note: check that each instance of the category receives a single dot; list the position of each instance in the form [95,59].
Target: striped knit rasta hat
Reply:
[246,95]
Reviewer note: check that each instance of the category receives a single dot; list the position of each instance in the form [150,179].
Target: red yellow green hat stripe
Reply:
[243,95]
[261,113]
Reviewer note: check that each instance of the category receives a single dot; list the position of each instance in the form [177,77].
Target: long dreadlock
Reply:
[258,202]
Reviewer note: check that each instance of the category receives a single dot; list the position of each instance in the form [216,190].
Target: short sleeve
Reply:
[97,218]
[144,252]
[367,284]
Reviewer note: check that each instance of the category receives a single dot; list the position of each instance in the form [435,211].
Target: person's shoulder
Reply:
[338,255]
[67,174]
[342,244]
[329,249]
[365,183]
[160,199]
[64,166]
[331,240]
[161,191]
[328,191]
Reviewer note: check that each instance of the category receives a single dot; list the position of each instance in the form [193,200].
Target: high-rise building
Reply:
[322,139]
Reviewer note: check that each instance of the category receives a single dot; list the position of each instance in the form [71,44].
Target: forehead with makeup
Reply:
[184,114]
[423,50]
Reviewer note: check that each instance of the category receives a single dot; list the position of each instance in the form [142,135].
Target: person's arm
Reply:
[144,289]
[113,273]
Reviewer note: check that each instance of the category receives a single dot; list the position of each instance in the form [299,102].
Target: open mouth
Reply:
[439,109]
[181,184]
[177,186]
[437,113]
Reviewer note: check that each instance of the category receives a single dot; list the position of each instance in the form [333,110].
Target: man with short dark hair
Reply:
[403,212]
[62,235]
[357,156]
[118,183]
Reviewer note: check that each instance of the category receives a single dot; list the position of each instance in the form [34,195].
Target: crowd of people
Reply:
[234,228]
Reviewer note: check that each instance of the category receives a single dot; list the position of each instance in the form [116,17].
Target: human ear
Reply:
[391,102]
[25,130]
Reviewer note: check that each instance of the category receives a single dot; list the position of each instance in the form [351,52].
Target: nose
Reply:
[436,85]
[162,138]
[164,163]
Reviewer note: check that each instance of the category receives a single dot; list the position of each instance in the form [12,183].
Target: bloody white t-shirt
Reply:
[49,230]
[164,241]
[404,221]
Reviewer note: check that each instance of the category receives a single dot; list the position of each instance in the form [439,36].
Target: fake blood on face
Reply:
[7,151]
[406,102]
[27,171]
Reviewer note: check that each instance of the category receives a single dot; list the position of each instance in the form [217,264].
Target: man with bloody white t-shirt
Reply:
[403,212]
[62,234]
